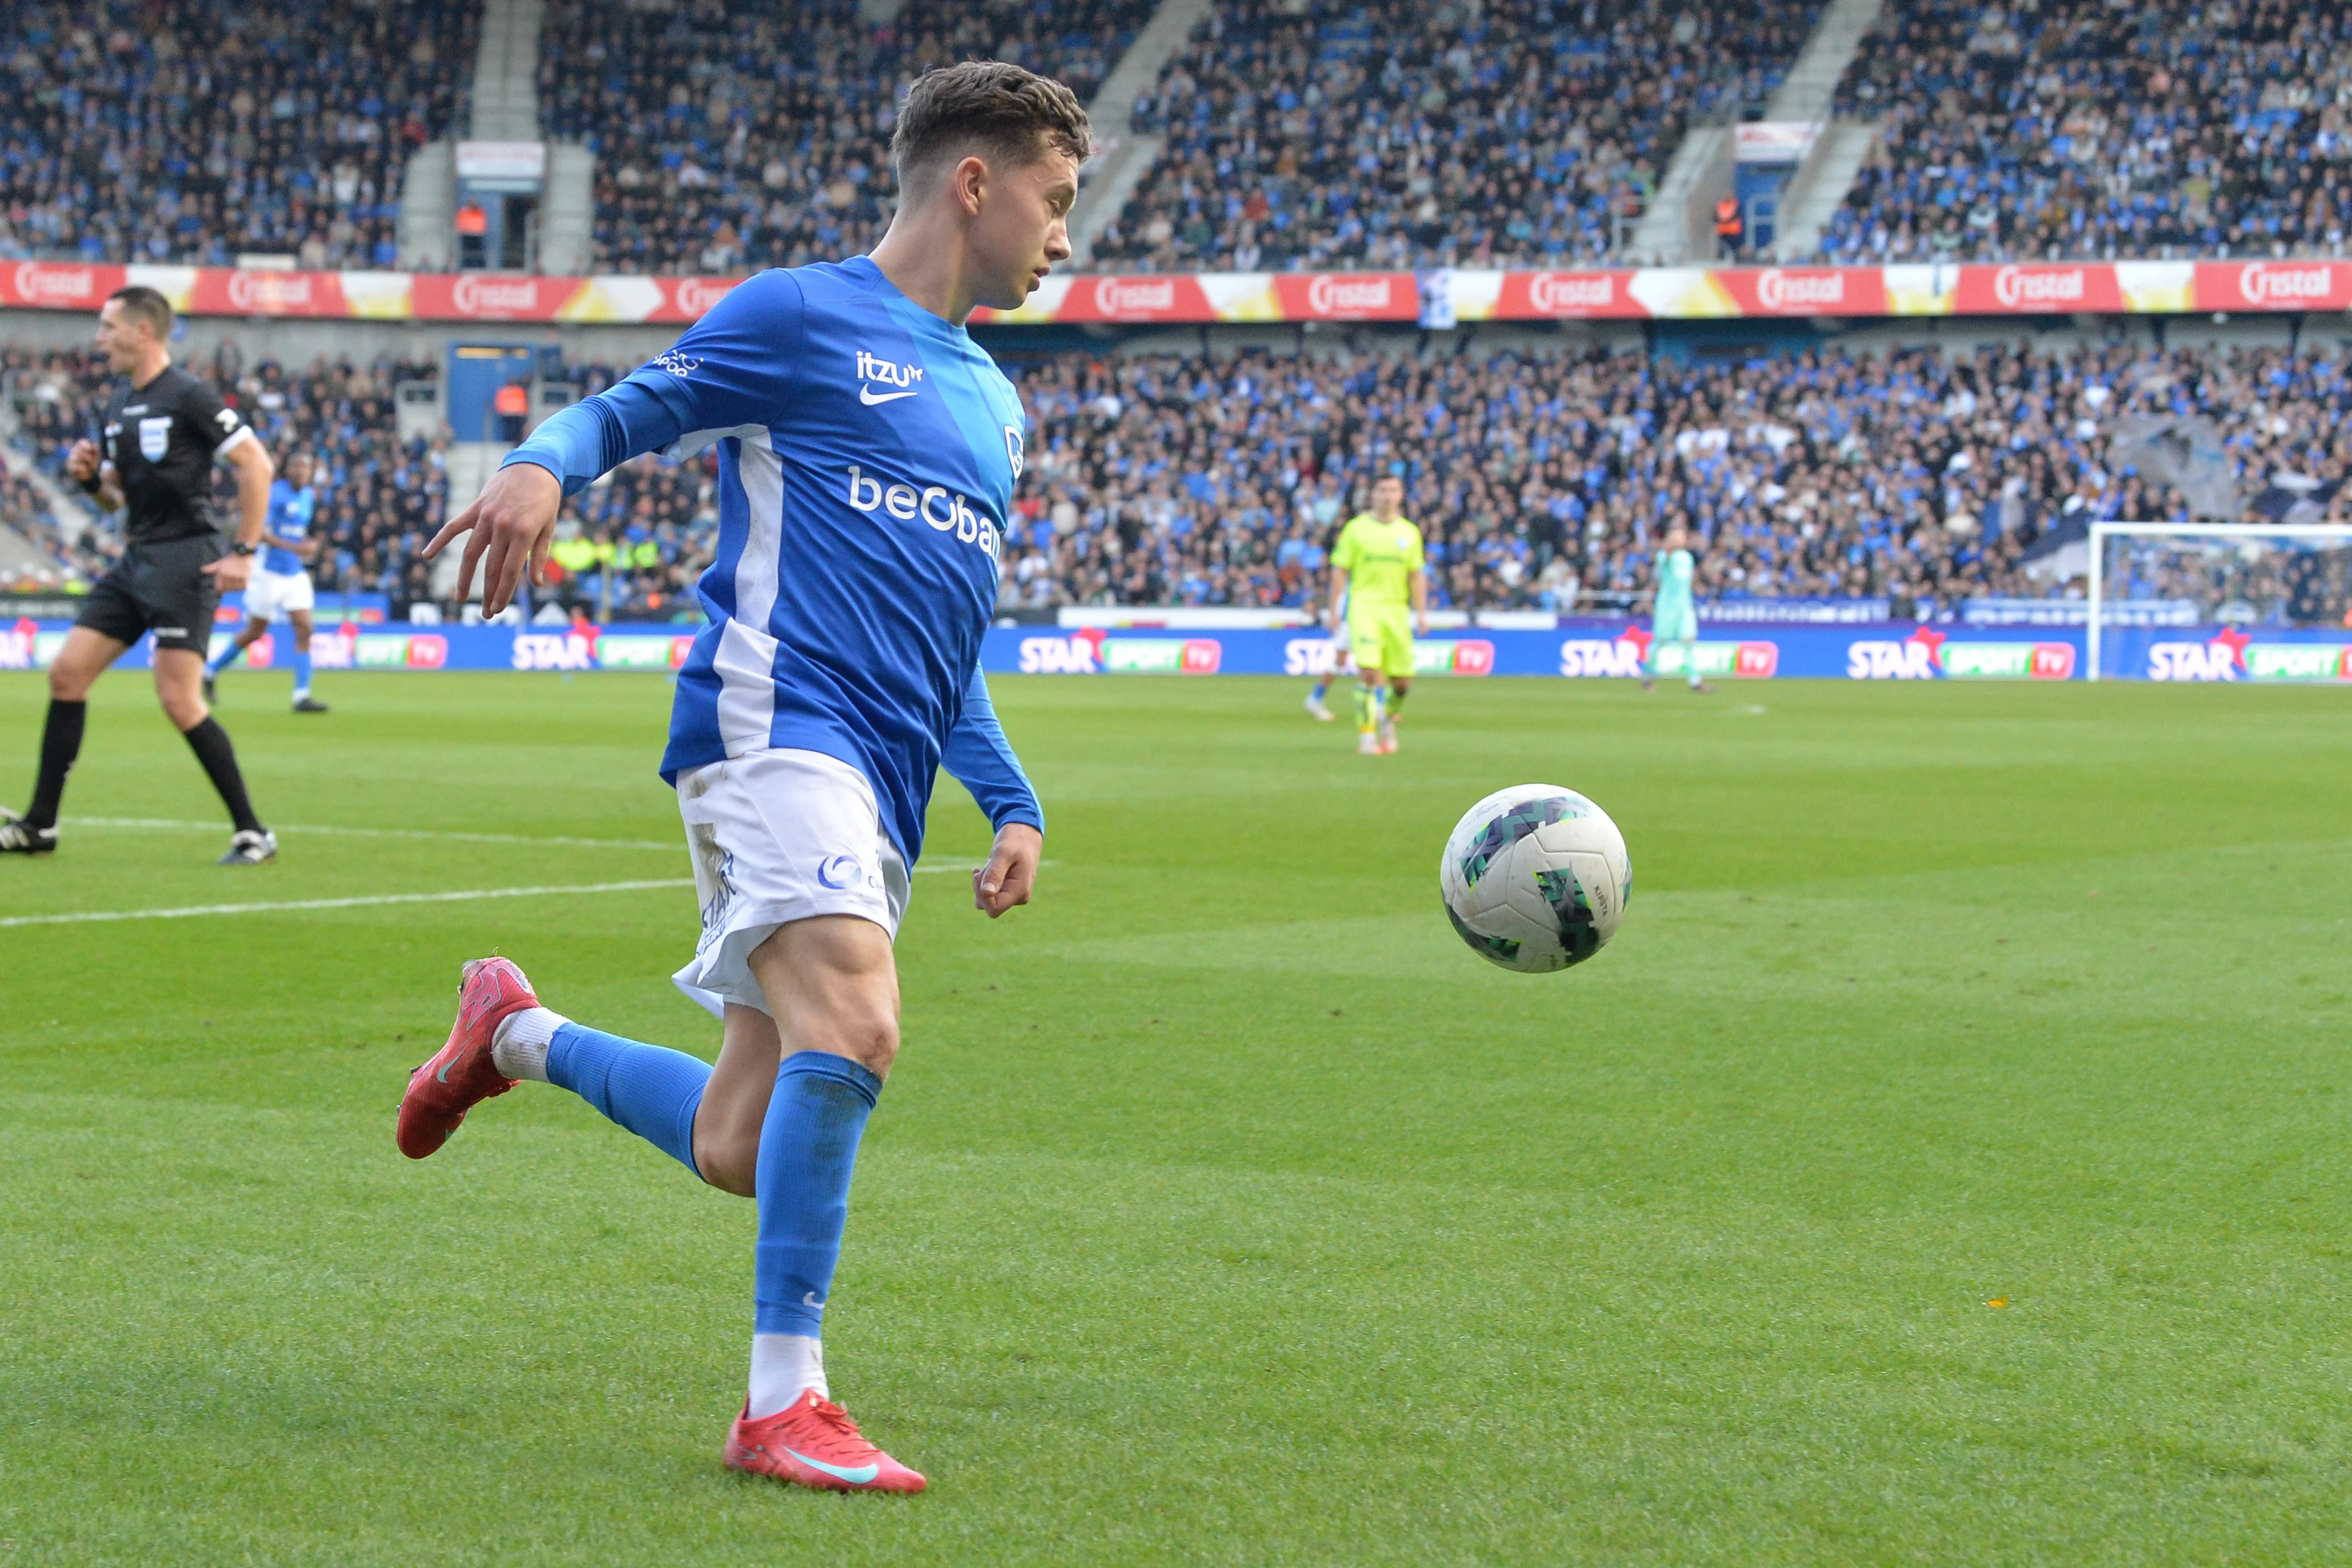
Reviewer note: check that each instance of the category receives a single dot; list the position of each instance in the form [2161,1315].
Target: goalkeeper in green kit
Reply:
[1674,615]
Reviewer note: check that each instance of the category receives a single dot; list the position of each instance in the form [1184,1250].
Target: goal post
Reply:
[2291,574]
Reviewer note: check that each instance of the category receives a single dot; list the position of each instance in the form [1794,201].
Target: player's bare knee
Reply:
[728,1159]
[871,1040]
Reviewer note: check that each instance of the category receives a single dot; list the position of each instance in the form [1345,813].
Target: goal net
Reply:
[2208,602]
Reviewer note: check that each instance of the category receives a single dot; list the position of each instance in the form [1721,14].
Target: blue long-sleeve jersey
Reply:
[868,451]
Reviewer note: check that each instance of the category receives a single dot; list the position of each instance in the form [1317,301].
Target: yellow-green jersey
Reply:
[1380,559]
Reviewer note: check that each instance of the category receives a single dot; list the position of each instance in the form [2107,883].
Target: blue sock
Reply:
[1320,687]
[807,1149]
[651,1091]
[221,659]
[303,675]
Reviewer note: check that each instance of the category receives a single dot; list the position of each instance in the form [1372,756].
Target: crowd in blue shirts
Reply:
[380,496]
[1546,481]
[733,138]
[2077,129]
[1405,135]
[184,131]
[1540,481]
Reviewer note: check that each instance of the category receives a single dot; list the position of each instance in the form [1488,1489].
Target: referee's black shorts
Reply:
[160,588]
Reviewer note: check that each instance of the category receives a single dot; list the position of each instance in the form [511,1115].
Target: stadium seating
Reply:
[379,498]
[723,150]
[183,131]
[1544,481]
[57,397]
[1399,134]
[2079,128]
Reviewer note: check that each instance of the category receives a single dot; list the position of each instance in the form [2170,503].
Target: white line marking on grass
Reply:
[173,825]
[468,895]
[161,823]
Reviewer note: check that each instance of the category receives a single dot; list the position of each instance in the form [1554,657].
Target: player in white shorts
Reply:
[279,588]
[777,835]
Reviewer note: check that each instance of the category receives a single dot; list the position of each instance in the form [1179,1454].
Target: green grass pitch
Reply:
[1947,1163]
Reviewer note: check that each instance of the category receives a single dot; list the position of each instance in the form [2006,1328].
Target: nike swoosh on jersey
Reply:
[866,395]
[856,1478]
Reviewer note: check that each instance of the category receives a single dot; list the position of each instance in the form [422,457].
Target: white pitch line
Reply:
[470,895]
[170,824]
[157,822]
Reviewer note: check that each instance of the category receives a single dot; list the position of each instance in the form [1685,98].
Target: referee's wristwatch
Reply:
[239,547]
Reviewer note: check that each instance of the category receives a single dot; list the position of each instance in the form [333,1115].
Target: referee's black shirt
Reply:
[162,438]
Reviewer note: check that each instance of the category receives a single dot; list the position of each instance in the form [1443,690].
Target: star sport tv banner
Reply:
[1577,650]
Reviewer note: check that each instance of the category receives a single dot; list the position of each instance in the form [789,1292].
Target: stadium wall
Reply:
[1578,650]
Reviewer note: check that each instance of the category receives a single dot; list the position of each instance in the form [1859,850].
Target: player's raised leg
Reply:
[86,656]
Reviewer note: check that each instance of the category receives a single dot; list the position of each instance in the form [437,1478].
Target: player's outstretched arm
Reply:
[733,369]
[510,527]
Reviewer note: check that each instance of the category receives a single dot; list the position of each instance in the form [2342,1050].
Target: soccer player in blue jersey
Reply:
[280,584]
[867,452]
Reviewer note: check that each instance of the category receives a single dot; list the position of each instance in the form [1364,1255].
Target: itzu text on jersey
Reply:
[868,451]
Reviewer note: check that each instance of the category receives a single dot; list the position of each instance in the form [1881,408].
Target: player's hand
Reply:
[230,573]
[1011,870]
[1421,625]
[81,463]
[512,522]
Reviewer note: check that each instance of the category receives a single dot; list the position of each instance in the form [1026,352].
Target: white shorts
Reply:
[778,837]
[274,596]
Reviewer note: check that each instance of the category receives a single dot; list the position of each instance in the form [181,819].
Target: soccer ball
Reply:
[1536,877]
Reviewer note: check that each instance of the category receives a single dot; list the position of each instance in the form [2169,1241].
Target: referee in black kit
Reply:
[163,431]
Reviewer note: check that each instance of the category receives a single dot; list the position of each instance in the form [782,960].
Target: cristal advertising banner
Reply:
[1585,650]
[1633,293]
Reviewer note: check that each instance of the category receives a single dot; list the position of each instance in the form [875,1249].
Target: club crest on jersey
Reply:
[898,380]
[1012,449]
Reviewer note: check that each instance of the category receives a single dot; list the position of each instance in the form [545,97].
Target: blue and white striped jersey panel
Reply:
[867,452]
[745,657]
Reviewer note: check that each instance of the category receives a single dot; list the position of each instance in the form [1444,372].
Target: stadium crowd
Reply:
[732,138]
[1540,481]
[189,131]
[1399,134]
[2082,128]
[1546,481]
[380,497]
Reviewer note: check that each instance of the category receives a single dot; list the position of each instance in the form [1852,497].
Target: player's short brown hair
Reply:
[147,305]
[990,108]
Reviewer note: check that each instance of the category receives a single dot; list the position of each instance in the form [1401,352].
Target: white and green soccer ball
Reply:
[1536,877]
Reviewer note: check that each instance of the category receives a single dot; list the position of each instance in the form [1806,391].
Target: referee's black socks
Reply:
[210,742]
[60,744]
